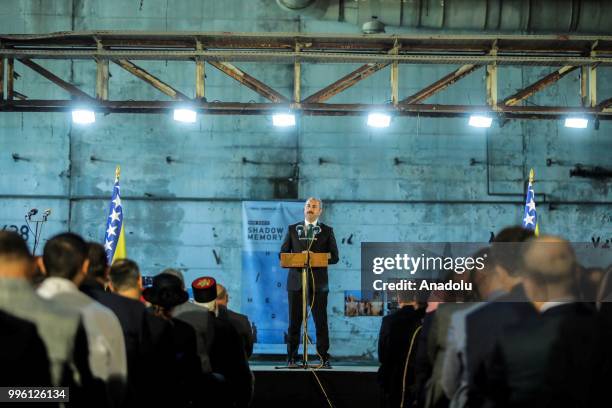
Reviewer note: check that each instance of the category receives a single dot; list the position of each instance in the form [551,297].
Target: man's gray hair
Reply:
[317,200]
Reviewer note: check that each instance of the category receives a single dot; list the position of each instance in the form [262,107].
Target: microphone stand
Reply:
[37,229]
[305,298]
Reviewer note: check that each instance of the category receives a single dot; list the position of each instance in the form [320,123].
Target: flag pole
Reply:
[118,173]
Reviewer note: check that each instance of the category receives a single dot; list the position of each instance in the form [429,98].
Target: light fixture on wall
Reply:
[379,120]
[480,121]
[185,115]
[83,116]
[576,122]
[283,119]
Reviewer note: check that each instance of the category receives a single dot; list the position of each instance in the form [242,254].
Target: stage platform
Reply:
[347,384]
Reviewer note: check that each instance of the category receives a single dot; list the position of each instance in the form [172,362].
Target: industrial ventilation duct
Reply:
[528,16]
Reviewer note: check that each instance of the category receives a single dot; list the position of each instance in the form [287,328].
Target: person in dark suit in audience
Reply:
[147,360]
[301,237]
[23,355]
[484,325]
[227,355]
[558,358]
[239,321]
[193,386]
[59,327]
[398,337]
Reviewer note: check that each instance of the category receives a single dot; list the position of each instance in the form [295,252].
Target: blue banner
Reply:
[264,282]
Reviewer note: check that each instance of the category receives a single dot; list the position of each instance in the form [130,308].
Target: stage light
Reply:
[379,120]
[578,123]
[283,119]
[185,115]
[480,121]
[83,116]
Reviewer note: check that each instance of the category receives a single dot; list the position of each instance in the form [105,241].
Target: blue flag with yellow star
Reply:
[530,217]
[114,242]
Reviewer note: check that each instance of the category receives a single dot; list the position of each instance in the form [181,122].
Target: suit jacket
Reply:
[57,325]
[483,327]
[396,332]
[557,359]
[202,322]
[436,350]
[107,356]
[227,359]
[147,361]
[242,325]
[24,352]
[325,242]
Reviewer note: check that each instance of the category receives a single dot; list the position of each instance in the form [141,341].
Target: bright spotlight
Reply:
[379,120]
[578,123]
[83,116]
[283,119]
[185,115]
[480,121]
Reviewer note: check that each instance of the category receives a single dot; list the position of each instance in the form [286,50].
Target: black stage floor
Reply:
[347,384]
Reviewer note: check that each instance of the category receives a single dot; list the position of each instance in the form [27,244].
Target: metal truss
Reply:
[376,52]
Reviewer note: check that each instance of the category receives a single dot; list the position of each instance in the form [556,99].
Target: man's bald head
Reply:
[549,258]
[222,296]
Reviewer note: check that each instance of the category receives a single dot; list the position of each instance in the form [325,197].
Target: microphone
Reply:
[300,230]
[31,213]
[46,214]
[316,230]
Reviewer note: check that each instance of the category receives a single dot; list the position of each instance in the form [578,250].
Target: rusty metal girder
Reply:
[298,49]
[249,81]
[151,79]
[537,86]
[345,82]
[319,109]
[73,90]
[441,84]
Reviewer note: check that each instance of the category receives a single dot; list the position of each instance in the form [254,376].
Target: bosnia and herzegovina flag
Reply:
[530,217]
[114,242]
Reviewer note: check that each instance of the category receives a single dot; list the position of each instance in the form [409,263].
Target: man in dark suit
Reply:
[142,350]
[560,357]
[24,352]
[239,321]
[398,335]
[317,237]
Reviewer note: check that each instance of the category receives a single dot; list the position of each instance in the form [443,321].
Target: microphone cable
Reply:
[406,365]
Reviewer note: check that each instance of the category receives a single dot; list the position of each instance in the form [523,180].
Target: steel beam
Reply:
[491,85]
[249,81]
[297,79]
[538,85]
[344,83]
[151,80]
[324,109]
[10,78]
[441,84]
[200,74]
[102,76]
[1,79]
[68,87]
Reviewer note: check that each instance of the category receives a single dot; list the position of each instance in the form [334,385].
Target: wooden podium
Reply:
[304,261]
[301,260]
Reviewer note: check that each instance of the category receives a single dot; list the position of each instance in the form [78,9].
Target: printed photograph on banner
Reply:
[357,303]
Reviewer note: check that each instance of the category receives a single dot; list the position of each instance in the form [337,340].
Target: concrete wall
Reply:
[179,210]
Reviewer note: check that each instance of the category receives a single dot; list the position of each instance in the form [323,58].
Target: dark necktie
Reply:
[309,231]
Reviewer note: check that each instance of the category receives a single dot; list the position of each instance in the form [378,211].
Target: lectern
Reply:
[304,260]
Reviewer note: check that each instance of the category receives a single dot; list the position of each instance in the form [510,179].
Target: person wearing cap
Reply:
[169,296]
[227,355]
[184,370]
